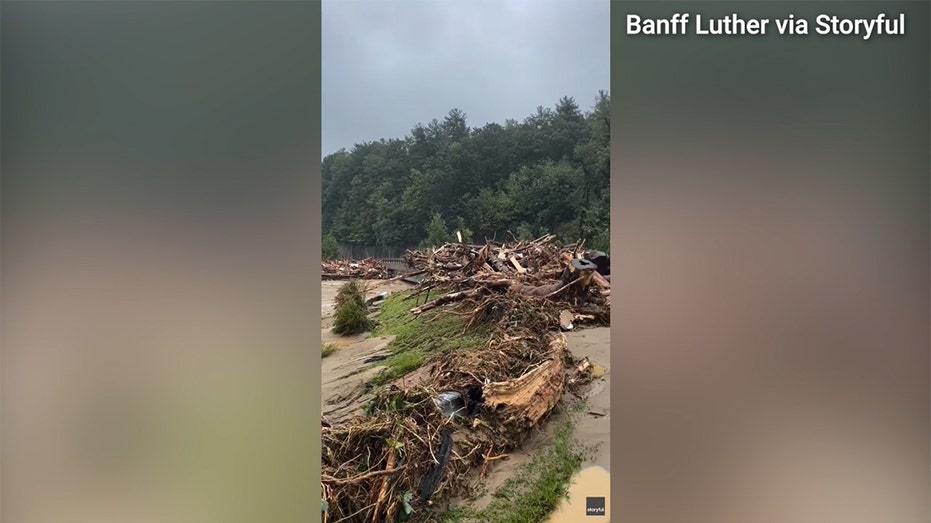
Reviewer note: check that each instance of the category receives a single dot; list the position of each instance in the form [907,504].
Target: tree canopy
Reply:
[547,174]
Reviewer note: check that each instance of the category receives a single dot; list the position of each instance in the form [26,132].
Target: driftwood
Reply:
[538,269]
[601,281]
[443,300]
[367,269]
[534,394]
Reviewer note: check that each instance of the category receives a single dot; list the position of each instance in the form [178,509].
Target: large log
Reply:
[531,396]
[448,298]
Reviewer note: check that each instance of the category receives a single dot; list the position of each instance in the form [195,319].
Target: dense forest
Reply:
[547,174]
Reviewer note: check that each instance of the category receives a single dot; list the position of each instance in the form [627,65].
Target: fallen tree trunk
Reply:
[448,298]
[531,396]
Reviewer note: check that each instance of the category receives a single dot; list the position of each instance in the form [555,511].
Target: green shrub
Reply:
[351,291]
[352,318]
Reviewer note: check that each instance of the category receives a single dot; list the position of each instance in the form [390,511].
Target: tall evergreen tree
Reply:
[549,173]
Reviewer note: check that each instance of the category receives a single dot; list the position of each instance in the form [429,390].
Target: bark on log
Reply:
[448,298]
[532,395]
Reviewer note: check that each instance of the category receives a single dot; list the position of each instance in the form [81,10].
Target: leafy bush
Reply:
[351,312]
[352,318]
[353,290]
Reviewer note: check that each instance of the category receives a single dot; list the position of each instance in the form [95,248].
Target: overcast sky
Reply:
[389,64]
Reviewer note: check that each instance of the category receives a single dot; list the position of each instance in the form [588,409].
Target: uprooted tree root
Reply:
[393,461]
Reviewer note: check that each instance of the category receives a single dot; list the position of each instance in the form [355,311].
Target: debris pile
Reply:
[367,269]
[422,436]
[561,282]
[379,466]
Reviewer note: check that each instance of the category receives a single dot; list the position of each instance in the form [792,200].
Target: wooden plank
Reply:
[601,281]
[517,265]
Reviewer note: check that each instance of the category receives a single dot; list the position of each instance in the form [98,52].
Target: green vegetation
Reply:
[351,312]
[330,248]
[546,174]
[416,339]
[437,233]
[537,488]
[327,349]
[351,291]
[352,318]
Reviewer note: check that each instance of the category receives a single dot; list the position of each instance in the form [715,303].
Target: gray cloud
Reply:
[388,64]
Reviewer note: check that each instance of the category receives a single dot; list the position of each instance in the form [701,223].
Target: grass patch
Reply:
[417,339]
[537,488]
[327,349]
[351,312]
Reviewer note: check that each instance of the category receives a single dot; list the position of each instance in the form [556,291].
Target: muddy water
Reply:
[592,481]
[593,427]
[345,371]
[510,467]
[329,288]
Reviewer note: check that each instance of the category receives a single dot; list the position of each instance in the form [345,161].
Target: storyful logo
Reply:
[594,506]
